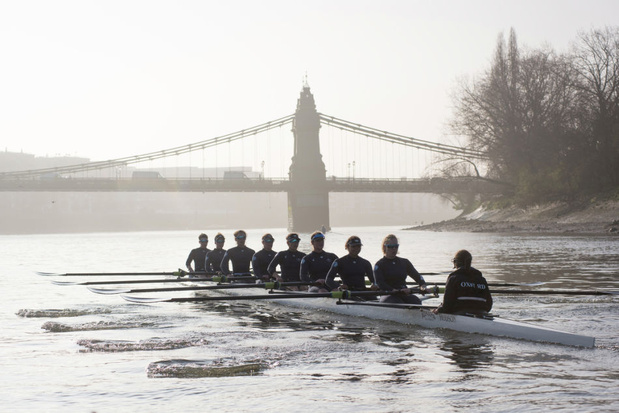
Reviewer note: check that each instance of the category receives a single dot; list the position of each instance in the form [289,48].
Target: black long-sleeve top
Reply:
[466,290]
[241,260]
[260,262]
[316,265]
[289,263]
[352,272]
[198,256]
[213,260]
[390,274]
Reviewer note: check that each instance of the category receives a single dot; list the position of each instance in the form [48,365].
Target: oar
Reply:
[535,284]
[333,294]
[541,292]
[220,279]
[266,286]
[435,273]
[553,292]
[387,305]
[179,273]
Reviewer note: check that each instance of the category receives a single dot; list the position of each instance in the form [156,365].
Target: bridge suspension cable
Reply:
[179,150]
[401,139]
[332,121]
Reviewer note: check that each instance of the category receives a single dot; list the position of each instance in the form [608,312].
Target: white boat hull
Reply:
[407,314]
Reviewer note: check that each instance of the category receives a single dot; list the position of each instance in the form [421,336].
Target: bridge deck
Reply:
[429,185]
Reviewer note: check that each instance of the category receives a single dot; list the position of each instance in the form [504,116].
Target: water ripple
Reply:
[114,346]
[56,313]
[56,327]
[197,369]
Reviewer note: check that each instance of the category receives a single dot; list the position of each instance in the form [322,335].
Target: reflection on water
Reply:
[243,351]
[270,316]
[469,355]
[566,262]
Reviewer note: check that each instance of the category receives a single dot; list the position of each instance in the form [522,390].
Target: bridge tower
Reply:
[308,197]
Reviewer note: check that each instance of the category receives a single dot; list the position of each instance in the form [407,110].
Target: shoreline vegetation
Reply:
[591,217]
[547,123]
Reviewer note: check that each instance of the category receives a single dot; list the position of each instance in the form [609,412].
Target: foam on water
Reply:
[57,313]
[114,346]
[188,369]
[57,327]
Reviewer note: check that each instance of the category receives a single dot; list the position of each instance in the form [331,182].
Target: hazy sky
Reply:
[105,79]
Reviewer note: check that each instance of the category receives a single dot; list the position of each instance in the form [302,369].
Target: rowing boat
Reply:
[423,316]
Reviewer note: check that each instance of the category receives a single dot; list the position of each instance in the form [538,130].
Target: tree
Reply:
[596,60]
[532,113]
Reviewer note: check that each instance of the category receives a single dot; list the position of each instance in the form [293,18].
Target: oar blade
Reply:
[64,283]
[109,291]
[144,300]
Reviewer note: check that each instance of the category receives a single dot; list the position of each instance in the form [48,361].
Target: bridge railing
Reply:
[429,185]
[333,184]
[144,184]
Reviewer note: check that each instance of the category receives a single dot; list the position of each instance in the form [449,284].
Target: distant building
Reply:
[13,161]
[19,161]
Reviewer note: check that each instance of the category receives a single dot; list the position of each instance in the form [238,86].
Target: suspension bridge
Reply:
[307,183]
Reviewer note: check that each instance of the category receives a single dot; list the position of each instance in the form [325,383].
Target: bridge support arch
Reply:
[308,196]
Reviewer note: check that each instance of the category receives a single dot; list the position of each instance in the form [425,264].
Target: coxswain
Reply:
[240,256]
[391,271]
[261,259]
[289,261]
[466,290]
[352,269]
[316,264]
[198,256]
[213,258]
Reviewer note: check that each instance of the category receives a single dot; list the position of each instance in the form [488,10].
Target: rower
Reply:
[390,273]
[213,258]
[289,261]
[466,290]
[316,264]
[352,269]
[240,255]
[198,255]
[260,261]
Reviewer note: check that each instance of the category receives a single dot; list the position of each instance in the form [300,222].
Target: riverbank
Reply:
[595,217]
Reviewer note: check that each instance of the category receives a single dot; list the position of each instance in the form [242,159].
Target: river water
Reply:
[67,349]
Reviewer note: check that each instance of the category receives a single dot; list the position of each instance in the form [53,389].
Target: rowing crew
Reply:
[466,290]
